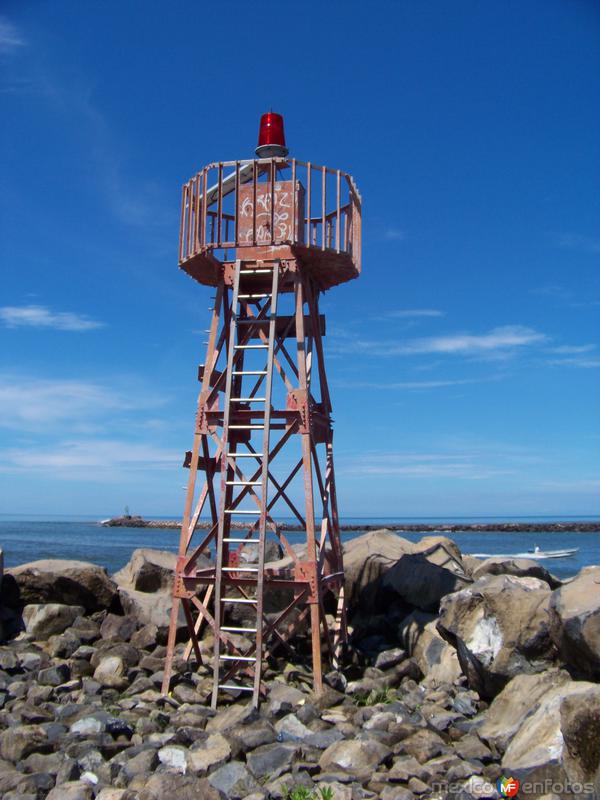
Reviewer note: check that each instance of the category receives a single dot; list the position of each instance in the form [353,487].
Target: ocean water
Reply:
[25,540]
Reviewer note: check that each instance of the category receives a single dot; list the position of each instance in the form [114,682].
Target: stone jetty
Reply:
[458,672]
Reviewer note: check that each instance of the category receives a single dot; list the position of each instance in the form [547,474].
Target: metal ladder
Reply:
[228,660]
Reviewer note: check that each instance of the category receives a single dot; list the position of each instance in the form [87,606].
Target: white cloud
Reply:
[502,340]
[66,458]
[567,349]
[31,403]
[10,39]
[575,241]
[34,316]
[436,384]
[576,361]
[420,466]
[394,234]
[414,313]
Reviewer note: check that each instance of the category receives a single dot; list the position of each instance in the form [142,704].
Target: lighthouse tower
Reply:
[270,235]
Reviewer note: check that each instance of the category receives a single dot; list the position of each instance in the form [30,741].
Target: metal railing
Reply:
[235,204]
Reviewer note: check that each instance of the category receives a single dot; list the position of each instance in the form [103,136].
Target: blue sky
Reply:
[464,362]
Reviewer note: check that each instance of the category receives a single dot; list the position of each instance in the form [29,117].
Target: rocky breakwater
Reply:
[458,672]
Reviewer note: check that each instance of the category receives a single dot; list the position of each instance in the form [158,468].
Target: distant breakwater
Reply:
[416,527]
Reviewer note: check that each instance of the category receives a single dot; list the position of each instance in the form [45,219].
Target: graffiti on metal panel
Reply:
[282,222]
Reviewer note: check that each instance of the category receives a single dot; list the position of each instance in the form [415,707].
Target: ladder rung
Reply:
[245,455]
[241,511]
[243,483]
[254,321]
[259,296]
[238,600]
[237,540]
[260,271]
[237,658]
[232,688]
[250,346]
[238,630]
[247,399]
[249,372]
[247,427]
[239,569]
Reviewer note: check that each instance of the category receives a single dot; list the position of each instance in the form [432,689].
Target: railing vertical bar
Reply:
[189,215]
[323,189]
[182,223]
[219,203]
[294,207]
[337,222]
[309,202]
[273,175]
[254,179]
[204,203]
[197,215]
[237,203]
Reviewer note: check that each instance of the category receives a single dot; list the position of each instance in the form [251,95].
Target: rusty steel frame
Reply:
[227,408]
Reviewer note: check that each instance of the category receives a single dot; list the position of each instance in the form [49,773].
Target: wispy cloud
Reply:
[10,38]
[421,466]
[394,234]
[409,385]
[34,404]
[413,313]
[503,340]
[68,457]
[575,241]
[34,316]
[580,362]
[567,349]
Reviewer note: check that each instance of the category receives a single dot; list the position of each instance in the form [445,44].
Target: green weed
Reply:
[376,696]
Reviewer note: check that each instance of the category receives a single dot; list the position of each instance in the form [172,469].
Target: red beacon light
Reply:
[271,138]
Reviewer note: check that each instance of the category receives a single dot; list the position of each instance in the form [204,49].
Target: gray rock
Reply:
[54,676]
[499,627]
[575,622]
[358,757]
[73,790]
[271,759]
[174,758]
[234,781]
[173,785]
[232,717]
[118,627]
[389,658]
[44,620]
[521,567]
[213,752]
[18,742]
[74,583]
[110,672]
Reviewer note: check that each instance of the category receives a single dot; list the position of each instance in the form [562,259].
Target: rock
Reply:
[358,757]
[436,659]
[499,627]
[271,760]
[42,620]
[18,742]
[543,751]
[118,627]
[424,745]
[173,785]
[575,622]
[72,790]
[389,658]
[519,700]
[520,567]
[73,583]
[423,576]
[212,752]
[54,676]
[148,571]
[233,780]
[231,718]
[110,672]
[174,758]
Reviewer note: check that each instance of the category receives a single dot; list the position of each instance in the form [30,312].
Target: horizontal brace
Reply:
[237,540]
[231,629]
[238,658]
[241,511]
[239,569]
[231,688]
[244,600]
[250,372]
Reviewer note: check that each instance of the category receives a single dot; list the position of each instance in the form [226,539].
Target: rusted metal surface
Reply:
[263,433]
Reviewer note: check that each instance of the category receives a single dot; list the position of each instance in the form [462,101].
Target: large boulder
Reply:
[519,699]
[381,568]
[575,622]
[43,620]
[436,659]
[521,567]
[148,571]
[75,583]
[559,744]
[499,626]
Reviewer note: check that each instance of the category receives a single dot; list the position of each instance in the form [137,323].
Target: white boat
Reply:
[536,554]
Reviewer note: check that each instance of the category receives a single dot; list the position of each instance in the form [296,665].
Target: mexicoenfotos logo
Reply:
[508,787]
